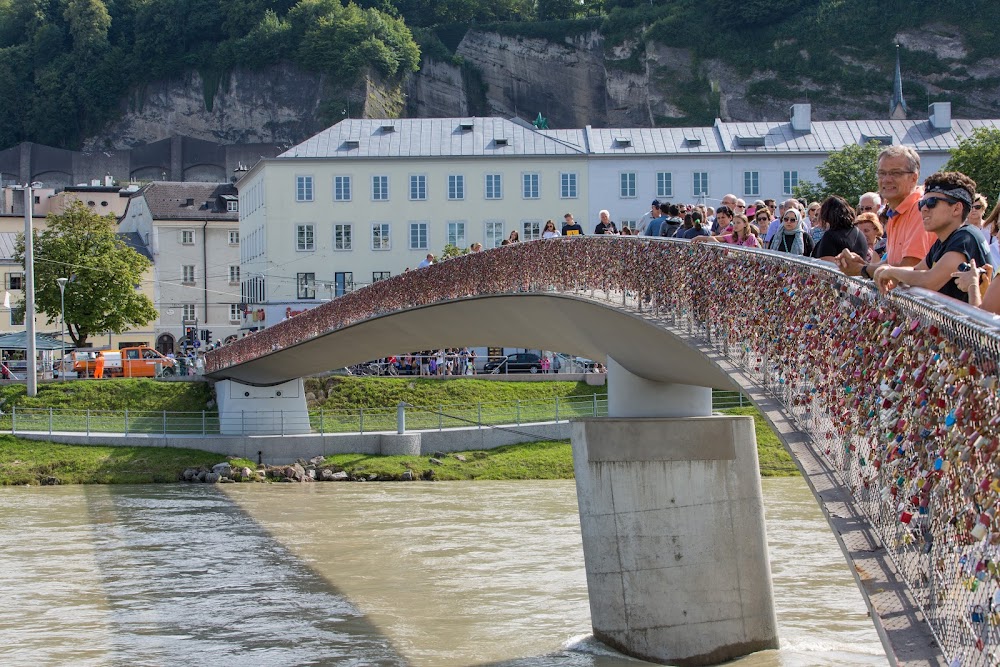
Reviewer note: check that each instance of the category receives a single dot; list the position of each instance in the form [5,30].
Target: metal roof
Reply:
[429,137]
[168,200]
[826,136]
[445,137]
[7,242]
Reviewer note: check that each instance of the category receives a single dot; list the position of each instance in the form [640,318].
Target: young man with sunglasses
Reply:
[947,200]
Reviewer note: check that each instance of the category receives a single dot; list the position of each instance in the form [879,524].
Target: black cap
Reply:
[656,203]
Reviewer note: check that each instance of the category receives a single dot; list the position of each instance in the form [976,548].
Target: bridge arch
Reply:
[894,398]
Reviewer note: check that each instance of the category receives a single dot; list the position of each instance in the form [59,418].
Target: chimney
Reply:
[939,116]
[801,115]
[108,181]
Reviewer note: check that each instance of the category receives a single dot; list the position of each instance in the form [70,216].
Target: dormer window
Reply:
[622,142]
[749,141]
[499,141]
[352,143]
[387,128]
[466,125]
[883,139]
[692,141]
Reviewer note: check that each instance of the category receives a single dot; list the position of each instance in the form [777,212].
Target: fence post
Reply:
[281,418]
[479,414]
[243,422]
[322,424]
[557,409]
[741,399]
[88,421]
[164,422]
[204,425]
[50,420]
[126,421]
[13,419]
[595,403]
[440,417]
[361,420]
[401,418]
[519,412]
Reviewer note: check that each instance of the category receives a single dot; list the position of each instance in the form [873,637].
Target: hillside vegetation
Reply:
[71,63]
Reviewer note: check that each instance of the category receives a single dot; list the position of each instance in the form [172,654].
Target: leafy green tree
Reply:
[978,157]
[102,296]
[849,172]
[559,9]
[452,250]
[88,22]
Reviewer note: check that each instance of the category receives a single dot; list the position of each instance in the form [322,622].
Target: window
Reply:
[626,189]
[343,282]
[567,185]
[380,188]
[305,237]
[531,230]
[303,188]
[664,184]
[494,233]
[234,274]
[17,316]
[187,236]
[187,274]
[456,234]
[341,188]
[380,275]
[631,224]
[418,236]
[188,313]
[494,186]
[342,236]
[751,183]
[380,236]
[791,180]
[234,237]
[235,312]
[418,187]
[456,187]
[529,186]
[306,283]
[700,183]
[231,205]
[15,281]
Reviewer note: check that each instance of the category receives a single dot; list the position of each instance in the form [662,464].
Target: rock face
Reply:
[574,82]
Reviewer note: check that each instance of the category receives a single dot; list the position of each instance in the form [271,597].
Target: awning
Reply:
[19,341]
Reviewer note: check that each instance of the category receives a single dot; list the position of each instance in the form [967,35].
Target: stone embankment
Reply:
[314,470]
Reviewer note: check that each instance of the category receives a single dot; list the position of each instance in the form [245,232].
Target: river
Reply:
[418,574]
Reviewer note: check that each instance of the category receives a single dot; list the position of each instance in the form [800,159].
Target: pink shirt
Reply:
[748,242]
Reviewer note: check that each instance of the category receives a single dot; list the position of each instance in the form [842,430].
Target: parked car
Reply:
[521,362]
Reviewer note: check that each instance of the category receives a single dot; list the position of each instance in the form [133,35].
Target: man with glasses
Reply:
[907,242]
[944,208]
[869,202]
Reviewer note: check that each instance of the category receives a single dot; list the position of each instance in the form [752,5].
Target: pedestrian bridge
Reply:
[888,404]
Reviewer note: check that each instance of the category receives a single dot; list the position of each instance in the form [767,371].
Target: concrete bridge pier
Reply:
[278,409]
[671,512]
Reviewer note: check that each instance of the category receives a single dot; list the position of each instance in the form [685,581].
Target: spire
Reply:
[897,105]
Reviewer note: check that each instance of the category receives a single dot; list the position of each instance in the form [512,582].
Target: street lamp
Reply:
[62,323]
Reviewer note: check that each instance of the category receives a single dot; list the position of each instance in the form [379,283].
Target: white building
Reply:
[366,199]
[192,232]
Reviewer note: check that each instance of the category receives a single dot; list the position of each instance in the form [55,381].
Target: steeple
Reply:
[897,106]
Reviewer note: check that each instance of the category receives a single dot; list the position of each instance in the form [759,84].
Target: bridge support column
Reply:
[671,513]
[275,410]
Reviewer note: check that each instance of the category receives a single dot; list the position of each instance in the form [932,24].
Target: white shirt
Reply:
[424,263]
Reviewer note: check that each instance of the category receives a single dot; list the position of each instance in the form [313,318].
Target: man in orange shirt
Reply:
[907,240]
[99,366]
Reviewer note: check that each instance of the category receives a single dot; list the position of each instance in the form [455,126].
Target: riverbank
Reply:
[40,462]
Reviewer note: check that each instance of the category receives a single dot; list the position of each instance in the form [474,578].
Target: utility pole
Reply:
[29,293]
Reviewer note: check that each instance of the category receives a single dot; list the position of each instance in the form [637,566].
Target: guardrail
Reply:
[363,420]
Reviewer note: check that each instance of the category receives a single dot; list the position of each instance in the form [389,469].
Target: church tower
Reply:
[897,106]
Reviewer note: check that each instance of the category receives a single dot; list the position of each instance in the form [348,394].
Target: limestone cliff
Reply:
[574,82]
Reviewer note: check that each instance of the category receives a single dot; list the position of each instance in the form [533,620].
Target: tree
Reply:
[849,172]
[83,246]
[978,157]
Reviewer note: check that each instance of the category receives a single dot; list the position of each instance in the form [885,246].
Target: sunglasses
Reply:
[978,207]
[931,202]
[789,220]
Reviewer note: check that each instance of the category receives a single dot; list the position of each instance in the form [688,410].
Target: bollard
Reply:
[401,418]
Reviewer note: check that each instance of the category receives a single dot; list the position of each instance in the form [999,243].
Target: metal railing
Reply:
[320,421]
[898,392]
